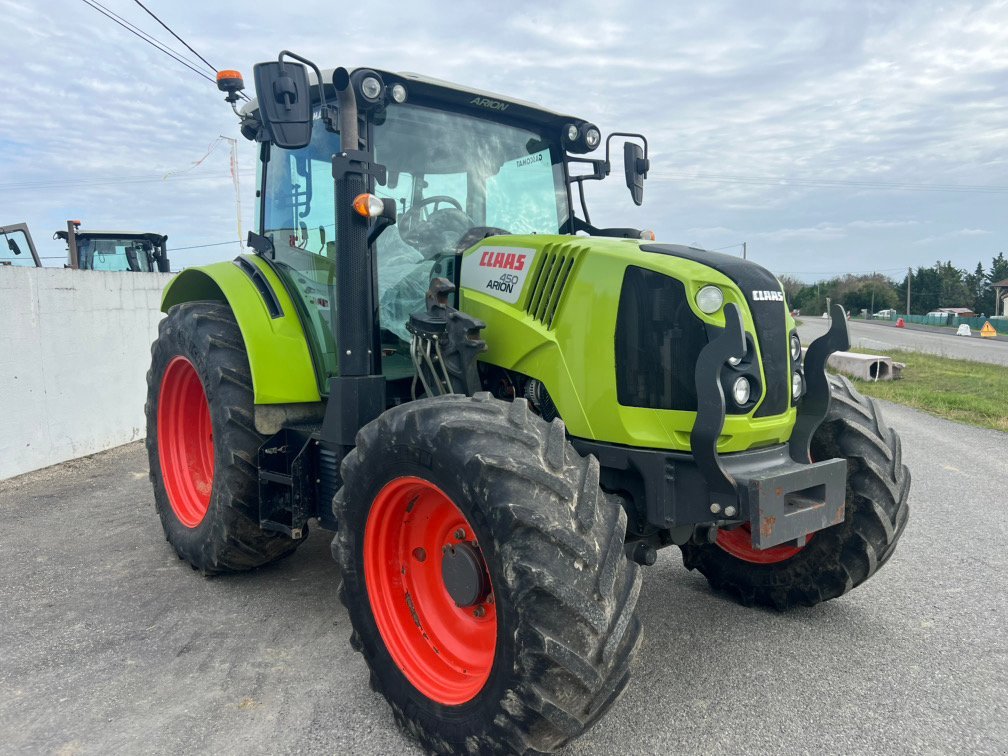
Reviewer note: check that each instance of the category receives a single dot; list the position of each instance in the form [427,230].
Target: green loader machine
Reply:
[500,410]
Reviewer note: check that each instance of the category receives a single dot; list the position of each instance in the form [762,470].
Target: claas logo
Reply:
[502,260]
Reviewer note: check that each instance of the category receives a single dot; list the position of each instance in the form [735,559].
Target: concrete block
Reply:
[867,367]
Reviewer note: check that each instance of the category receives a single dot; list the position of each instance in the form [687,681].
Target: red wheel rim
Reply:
[185,442]
[445,651]
[738,543]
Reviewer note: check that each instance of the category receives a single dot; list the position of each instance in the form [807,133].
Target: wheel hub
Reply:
[464,574]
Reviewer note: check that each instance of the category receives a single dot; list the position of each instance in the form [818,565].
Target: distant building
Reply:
[959,312]
[1001,297]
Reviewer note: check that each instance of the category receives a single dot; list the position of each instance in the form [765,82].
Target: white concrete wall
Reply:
[74,353]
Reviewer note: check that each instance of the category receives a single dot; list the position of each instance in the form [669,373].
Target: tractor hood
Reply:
[612,329]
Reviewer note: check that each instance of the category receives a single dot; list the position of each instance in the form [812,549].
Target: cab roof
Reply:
[143,235]
[428,90]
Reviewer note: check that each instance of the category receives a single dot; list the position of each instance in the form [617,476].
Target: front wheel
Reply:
[202,442]
[835,560]
[485,576]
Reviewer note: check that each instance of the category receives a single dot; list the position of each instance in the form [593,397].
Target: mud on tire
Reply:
[228,538]
[842,557]
[553,546]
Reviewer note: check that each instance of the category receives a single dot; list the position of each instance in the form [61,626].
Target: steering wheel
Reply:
[411,221]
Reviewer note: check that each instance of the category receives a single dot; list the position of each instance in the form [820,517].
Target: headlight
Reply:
[709,299]
[797,386]
[740,390]
[795,347]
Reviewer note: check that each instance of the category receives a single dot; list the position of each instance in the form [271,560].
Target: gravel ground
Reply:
[110,644]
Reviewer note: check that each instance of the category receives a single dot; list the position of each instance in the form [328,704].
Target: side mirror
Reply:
[635,165]
[284,103]
[13,246]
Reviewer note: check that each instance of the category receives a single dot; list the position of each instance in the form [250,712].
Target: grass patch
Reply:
[968,392]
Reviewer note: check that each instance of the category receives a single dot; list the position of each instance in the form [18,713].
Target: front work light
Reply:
[709,299]
[593,138]
[371,88]
[398,93]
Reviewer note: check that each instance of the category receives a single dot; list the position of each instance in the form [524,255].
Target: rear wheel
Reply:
[835,560]
[485,576]
[202,443]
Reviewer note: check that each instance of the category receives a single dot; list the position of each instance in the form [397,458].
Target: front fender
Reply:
[281,365]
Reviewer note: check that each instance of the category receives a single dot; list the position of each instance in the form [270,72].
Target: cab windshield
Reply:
[455,178]
[124,254]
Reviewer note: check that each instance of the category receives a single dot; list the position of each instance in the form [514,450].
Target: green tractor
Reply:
[502,411]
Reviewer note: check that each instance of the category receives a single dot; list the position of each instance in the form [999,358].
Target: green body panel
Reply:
[573,354]
[281,365]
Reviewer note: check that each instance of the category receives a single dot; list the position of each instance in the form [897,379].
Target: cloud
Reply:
[950,235]
[733,97]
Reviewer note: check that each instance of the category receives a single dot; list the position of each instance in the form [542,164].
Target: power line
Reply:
[140,35]
[151,13]
[112,181]
[202,246]
[785,181]
[150,37]
[190,47]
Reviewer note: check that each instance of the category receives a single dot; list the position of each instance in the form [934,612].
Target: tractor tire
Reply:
[837,559]
[545,649]
[202,443]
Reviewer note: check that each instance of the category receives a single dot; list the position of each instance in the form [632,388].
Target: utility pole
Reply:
[743,250]
[909,272]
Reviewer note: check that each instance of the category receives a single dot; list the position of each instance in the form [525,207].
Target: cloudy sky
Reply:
[831,137]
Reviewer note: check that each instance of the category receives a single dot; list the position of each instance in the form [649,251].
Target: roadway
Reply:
[111,644]
[882,336]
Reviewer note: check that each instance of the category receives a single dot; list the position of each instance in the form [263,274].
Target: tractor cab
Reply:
[137,252]
[17,248]
[458,165]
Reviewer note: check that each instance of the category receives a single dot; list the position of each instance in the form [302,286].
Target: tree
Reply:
[977,286]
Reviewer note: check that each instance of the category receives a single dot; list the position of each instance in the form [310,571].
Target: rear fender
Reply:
[279,359]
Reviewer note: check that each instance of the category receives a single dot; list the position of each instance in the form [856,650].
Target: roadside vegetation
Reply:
[941,285]
[960,390]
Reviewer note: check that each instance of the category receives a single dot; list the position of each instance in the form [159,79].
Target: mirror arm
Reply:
[326,114]
[632,136]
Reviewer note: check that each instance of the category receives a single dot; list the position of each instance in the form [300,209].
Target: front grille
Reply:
[769,317]
[549,280]
[658,340]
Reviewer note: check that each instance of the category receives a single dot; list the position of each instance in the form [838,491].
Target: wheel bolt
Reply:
[460,535]
[419,554]
[715,508]
[479,611]
[729,511]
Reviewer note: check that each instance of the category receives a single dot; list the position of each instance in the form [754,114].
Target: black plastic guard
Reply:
[710,416]
[816,402]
